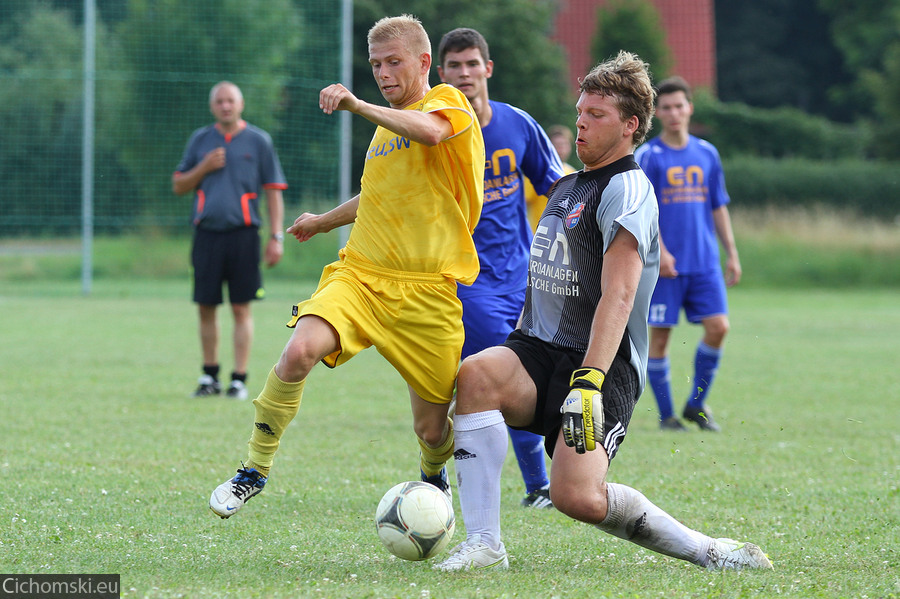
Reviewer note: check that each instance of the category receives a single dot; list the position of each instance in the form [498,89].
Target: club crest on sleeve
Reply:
[574,215]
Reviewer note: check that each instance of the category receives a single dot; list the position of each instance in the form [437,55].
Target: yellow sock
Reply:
[433,458]
[276,406]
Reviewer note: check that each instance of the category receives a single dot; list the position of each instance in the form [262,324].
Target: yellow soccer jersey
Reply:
[418,205]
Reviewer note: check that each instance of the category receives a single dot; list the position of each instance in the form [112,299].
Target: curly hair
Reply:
[626,79]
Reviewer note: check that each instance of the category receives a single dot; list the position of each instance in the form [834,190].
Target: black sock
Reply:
[239,377]
[212,371]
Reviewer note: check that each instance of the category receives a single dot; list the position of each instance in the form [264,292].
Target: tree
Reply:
[635,26]
[775,53]
[868,35]
[172,53]
[41,108]
[37,152]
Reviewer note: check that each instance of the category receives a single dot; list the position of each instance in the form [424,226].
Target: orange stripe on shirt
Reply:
[245,207]
[201,201]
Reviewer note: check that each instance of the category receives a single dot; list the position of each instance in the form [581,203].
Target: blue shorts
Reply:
[702,295]
[489,319]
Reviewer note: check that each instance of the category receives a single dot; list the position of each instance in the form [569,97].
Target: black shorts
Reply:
[550,367]
[232,256]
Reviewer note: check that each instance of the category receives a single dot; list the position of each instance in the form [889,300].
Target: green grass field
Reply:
[107,465]
[785,249]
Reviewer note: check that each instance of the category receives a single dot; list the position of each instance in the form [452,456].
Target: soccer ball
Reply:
[415,520]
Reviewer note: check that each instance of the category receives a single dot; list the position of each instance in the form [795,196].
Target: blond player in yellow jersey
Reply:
[394,285]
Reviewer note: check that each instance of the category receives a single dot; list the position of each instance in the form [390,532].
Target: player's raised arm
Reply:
[400,67]
[429,128]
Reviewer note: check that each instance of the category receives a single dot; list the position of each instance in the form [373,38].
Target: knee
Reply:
[475,387]
[241,312]
[207,313]
[297,359]
[716,330]
[432,433]
[659,342]
[584,505]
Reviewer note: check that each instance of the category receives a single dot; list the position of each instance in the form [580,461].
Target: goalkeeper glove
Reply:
[582,411]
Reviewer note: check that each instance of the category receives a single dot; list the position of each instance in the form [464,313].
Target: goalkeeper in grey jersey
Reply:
[575,368]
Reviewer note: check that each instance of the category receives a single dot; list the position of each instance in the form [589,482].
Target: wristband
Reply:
[279,237]
[592,376]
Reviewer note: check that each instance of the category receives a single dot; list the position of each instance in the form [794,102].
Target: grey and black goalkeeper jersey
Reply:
[584,212]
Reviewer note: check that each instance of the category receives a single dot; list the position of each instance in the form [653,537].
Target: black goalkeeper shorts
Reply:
[551,366]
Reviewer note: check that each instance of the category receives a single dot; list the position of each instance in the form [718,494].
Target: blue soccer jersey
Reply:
[689,184]
[515,146]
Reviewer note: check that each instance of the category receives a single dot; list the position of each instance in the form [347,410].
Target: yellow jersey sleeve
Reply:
[418,205]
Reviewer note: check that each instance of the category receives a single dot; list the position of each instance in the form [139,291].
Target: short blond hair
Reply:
[405,27]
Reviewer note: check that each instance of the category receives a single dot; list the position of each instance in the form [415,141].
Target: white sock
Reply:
[480,449]
[634,518]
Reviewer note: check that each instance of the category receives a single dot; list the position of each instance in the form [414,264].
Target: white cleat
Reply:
[727,554]
[231,495]
[472,554]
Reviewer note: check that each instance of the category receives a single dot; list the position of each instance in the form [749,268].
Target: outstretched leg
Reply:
[276,406]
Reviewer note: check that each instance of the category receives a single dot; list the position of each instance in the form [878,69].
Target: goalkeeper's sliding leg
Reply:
[501,386]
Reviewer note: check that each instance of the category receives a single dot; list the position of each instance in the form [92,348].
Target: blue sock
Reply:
[529,449]
[706,362]
[659,376]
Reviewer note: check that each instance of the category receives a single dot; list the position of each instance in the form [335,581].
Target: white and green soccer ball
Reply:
[415,520]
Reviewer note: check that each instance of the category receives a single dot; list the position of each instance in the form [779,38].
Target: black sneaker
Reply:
[538,499]
[207,386]
[671,424]
[237,390]
[439,480]
[702,416]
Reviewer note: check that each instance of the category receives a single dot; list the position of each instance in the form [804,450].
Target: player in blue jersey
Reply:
[575,368]
[693,210]
[515,147]
[227,164]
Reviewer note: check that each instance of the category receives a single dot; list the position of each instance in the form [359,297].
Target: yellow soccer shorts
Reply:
[414,320]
